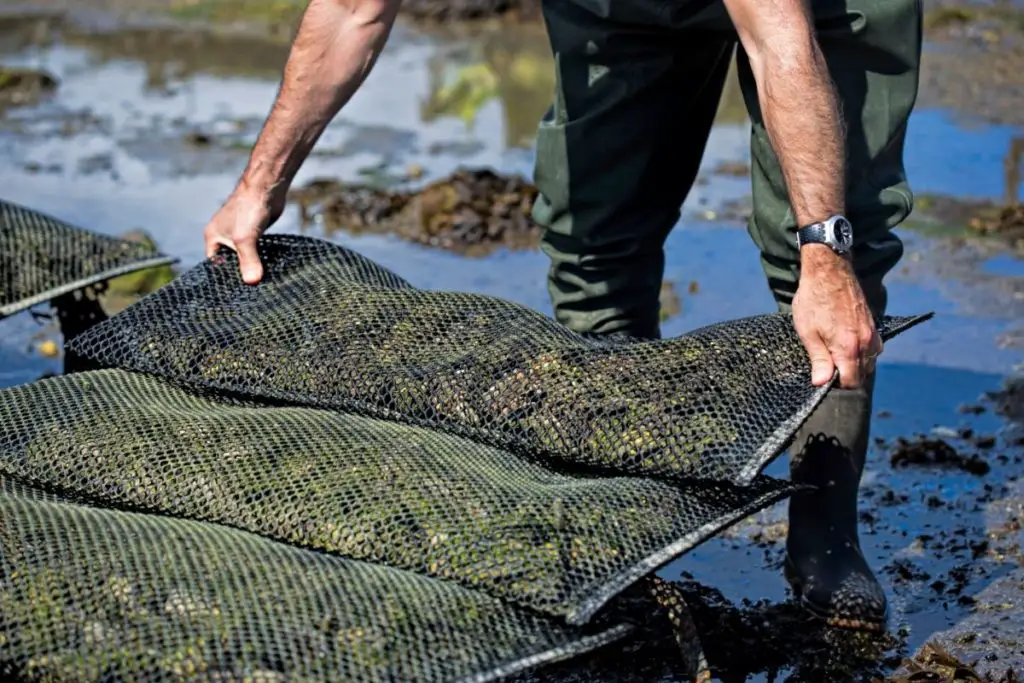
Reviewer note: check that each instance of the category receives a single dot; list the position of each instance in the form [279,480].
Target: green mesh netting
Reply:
[42,258]
[363,488]
[92,594]
[329,328]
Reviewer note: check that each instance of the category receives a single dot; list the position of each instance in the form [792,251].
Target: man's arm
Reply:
[804,124]
[336,46]
[798,102]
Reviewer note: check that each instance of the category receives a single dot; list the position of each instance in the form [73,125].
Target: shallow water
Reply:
[109,152]
[1005,265]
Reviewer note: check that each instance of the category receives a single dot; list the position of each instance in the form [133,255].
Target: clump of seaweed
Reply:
[25,86]
[471,212]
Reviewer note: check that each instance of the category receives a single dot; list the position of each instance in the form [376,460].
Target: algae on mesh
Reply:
[369,490]
[429,358]
[112,595]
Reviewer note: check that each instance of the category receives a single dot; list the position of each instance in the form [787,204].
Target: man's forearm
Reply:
[337,43]
[803,121]
[798,103]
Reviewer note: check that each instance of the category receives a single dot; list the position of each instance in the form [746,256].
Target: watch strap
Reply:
[816,233]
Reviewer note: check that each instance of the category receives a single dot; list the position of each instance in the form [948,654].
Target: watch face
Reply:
[843,232]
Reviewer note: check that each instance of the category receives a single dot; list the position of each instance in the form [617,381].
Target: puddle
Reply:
[144,133]
[1004,265]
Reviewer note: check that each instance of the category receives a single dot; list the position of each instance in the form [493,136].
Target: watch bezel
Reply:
[832,226]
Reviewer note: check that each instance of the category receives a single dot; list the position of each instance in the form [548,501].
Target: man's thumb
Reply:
[249,262]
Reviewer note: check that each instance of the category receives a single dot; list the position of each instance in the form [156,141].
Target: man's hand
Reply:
[801,114]
[336,46]
[833,320]
[242,219]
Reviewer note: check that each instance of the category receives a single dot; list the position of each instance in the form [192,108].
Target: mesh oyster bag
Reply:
[43,258]
[373,490]
[329,328]
[92,594]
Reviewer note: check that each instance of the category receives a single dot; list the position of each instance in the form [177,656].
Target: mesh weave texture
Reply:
[363,488]
[335,475]
[93,594]
[42,257]
[329,328]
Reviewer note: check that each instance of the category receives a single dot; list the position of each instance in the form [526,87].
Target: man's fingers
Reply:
[214,242]
[249,261]
[849,361]
[869,358]
[850,374]
[822,367]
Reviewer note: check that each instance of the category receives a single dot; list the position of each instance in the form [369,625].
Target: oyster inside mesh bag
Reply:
[43,257]
[93,594]
[332,329]
[368,489]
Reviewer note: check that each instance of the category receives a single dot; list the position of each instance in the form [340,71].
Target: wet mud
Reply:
[739,641]
[472,213]
[1009,400]
[974,62]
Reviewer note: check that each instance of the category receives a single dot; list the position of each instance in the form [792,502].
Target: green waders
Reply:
[638,86]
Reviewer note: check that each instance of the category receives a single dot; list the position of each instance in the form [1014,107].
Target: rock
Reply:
[986,647]
[935,452]
[24,86]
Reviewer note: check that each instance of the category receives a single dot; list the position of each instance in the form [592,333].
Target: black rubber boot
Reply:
[824,564]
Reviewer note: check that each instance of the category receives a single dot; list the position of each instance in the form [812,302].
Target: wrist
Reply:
[821,258]
[261,188]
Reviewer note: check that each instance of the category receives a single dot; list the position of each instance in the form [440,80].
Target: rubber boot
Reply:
[824,564]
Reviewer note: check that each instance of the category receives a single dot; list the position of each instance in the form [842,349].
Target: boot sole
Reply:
[867,625]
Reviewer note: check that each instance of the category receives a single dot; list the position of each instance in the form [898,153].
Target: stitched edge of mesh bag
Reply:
[85,279]
[17,497]
[888,328]
[771,492]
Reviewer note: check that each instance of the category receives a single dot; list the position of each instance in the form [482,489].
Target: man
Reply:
[638,83]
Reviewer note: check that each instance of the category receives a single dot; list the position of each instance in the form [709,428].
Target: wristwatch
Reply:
[835,232]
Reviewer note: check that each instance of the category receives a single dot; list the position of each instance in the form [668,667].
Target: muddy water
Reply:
[149,128]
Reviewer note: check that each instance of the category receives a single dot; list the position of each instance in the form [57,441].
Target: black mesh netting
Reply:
[91,594]
[42,257]
[332,329]
[363,488]
[334,475]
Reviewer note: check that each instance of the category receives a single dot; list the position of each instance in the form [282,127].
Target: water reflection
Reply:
[470,68]
[513,66]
